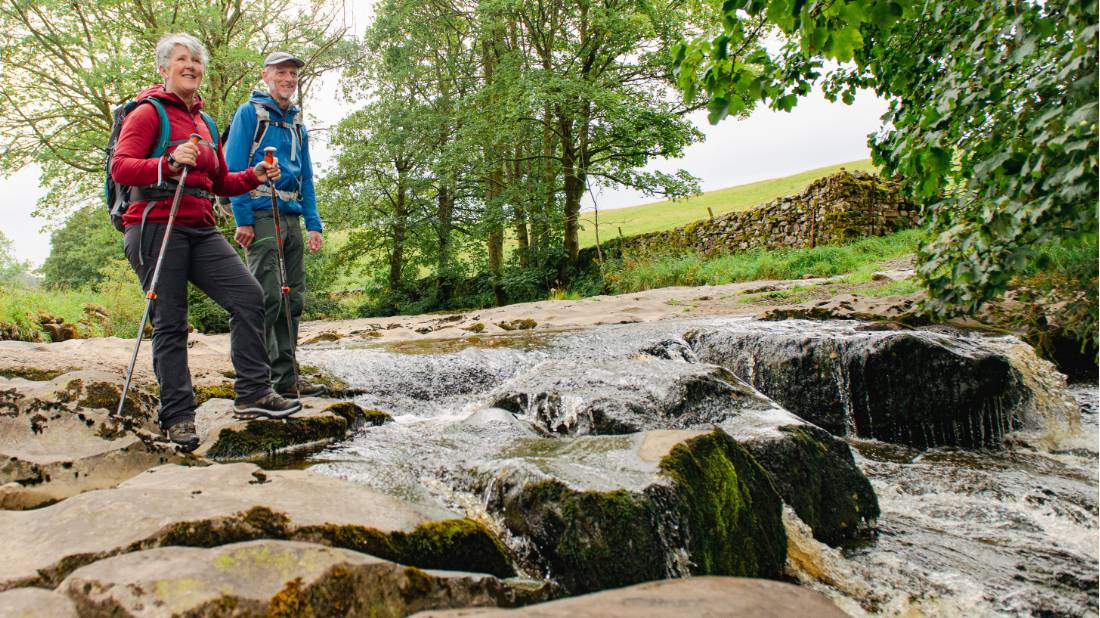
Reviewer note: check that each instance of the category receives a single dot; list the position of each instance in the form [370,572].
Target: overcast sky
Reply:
[766,145]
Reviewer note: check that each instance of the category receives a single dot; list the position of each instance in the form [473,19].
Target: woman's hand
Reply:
[185,155]
[267,172]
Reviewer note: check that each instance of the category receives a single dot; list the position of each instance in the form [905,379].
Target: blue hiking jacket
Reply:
[297,172]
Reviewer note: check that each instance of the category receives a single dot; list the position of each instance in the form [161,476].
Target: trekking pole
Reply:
[269,158]
[151,295]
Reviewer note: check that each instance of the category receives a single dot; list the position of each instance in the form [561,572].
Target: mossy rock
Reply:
[817,476]
[266,437]
[522,324]
[707,495]
[358,417]
[476,327]
[336,386]
[452,544]
[218,391]
[34,374]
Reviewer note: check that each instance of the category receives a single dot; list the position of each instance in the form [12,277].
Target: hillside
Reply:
[669,214]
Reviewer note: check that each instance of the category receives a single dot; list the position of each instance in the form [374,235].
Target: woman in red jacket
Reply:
[196,251]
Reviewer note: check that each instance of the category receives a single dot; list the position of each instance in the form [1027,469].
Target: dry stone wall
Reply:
[832,210]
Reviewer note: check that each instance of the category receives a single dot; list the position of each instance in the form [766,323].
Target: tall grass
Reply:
[110,309]
[859,259]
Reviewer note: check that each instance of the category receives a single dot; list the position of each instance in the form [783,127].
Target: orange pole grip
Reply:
[269,155]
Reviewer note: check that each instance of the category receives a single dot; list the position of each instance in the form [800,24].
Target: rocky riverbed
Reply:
[559,450]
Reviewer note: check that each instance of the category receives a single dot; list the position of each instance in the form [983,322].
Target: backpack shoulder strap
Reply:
[263,121]
[213,126]
[165,127]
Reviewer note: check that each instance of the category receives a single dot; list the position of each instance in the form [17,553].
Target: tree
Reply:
[11,268]
[67,65]
[80,248]
[992,122]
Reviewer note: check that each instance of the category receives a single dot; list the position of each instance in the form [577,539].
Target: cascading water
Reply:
[1006,531]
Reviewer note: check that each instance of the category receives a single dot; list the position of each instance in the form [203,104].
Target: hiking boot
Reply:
[270,405]
[305,389]
[183,435]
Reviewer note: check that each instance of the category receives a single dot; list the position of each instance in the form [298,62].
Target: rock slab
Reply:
[698,597]
[270,578]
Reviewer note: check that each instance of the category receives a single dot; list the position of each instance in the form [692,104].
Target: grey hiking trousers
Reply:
[203,257]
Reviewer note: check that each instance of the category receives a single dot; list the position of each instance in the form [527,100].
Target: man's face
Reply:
[281,80]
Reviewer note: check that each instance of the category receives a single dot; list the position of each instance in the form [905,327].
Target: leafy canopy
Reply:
[992,122]
[66,65]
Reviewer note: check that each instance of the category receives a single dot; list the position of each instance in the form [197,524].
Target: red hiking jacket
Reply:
[131,167]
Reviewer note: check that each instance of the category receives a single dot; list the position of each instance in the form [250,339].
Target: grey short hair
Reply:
[169,42]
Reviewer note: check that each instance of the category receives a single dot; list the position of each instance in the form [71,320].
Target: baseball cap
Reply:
[280,57]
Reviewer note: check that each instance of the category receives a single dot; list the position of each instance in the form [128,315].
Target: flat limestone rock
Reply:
[702,597]
[57,439]
[35,603]
[215,505]
[268,577]
[321,421]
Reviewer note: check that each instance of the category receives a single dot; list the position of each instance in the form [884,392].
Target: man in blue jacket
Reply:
[272,119]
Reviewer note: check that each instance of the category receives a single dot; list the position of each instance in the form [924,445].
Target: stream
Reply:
[1004,531]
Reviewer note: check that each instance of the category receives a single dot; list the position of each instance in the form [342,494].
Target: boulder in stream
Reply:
[815,473]
[609,511]
[919,388]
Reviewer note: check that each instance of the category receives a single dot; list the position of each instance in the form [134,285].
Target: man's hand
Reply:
[314,241]
[266,173]
[245,235]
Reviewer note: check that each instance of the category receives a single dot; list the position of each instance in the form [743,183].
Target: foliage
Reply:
[80,248]
[68,64]
[11,268]
[992,120]
[480,121]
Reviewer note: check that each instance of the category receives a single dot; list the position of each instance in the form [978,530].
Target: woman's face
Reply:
[183,73]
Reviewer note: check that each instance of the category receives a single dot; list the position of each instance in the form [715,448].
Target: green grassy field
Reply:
[670,214]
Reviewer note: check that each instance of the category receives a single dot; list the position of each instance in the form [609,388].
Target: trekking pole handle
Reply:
[269,155]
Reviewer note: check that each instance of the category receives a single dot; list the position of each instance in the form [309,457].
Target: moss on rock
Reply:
[452,544]
[218,391]
[710,497]
[266,437]
[358,417]
[335,385]
[816,474]
[521,324]
[733,512]
[33,374]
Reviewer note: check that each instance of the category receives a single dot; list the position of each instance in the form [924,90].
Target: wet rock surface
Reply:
[918,388]
[677,503]
[320,422]
[625,396]
[694,596]
[270,578]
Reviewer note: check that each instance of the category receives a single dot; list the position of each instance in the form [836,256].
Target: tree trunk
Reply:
[445,202]
[400,222]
